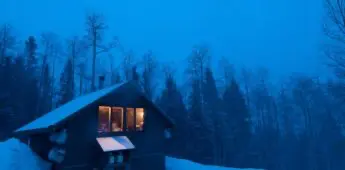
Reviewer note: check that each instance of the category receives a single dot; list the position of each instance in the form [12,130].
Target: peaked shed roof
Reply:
[65,111]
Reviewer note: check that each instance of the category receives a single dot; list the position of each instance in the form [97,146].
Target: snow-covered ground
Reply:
[15,155]
[181,164]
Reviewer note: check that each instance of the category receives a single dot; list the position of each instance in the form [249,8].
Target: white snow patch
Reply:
[67,109]
[181,164]
[15,155]
[115,143]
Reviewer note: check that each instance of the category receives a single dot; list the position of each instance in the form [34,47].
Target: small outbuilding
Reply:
[117,127]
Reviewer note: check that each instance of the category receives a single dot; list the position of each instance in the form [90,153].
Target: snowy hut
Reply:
[117,127]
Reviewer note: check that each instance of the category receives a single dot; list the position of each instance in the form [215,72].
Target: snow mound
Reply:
[15,155]
[181,164]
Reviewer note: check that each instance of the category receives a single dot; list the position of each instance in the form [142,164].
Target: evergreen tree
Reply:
[198,127]
[46,88]
[6,111]
[238,125]
[19,94]
[66,84]
[31,60]
[172,103]
[214,116]
[32,90]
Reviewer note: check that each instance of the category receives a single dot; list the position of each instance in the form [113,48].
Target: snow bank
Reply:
[181,164]
[15,155]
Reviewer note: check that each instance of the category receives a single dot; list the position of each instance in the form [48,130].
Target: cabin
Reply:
[116,127]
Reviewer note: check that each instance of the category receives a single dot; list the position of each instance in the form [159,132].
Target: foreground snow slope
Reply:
[181,164]
[15,155]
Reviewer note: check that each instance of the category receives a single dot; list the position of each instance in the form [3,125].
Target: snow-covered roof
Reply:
[115,143]
[68,109]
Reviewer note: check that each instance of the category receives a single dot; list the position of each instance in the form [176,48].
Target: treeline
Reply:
[223,116]
[245,121]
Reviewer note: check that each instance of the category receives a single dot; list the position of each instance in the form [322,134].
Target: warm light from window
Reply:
[139,119]
[103,119]
[130,119]
[112,119]
[117,119]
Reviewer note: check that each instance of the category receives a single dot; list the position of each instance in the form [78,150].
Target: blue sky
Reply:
[282,35]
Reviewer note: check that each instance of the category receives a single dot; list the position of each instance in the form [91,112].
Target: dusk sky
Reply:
[284,36]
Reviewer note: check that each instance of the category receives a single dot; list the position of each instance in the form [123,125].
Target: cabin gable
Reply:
[90,131]
[82,149]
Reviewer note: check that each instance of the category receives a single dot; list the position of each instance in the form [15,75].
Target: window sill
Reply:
[119,133]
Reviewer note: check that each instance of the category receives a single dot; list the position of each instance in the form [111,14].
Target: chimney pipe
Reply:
[101,82]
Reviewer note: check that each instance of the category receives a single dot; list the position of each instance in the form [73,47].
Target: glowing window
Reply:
[140,119]
[117,119]
[103,119]
[112,119]
[130,119]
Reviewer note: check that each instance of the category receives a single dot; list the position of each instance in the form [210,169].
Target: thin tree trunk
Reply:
[94,43]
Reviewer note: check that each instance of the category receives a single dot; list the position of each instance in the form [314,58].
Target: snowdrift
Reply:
[181,164]
[15,155]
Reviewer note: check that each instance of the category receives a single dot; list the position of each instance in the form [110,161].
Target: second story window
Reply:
[139,119]
[119,119]
[104,119]
[130,119]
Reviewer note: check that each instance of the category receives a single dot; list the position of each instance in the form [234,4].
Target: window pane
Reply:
[117,119]
[130,119]
[103,119]
[139,119]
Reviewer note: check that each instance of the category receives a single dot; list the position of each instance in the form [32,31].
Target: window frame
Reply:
[144,117]
[134,119]
[98,117]
[124,119]
[111,118]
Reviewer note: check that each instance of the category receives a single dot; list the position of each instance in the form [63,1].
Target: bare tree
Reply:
[168,70]
[198,61]
[127,65]
[227,70]
[51,47]
[334,28]
[150,66]
[95,28]
[76,52]
[7,40]
[246,78]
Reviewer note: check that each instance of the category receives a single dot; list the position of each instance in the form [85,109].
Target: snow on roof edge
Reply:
[115,143]
[55,116]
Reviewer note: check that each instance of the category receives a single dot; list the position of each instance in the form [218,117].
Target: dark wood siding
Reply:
[41,144]
[150,144]
[82,150]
